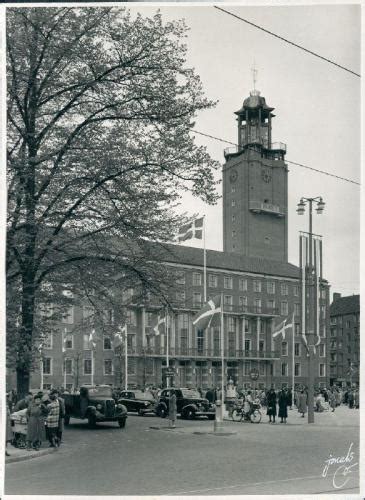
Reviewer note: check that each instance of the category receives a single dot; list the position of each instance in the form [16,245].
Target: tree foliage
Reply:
[100,110]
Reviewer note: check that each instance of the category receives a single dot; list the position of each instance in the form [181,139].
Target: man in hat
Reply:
[52,421]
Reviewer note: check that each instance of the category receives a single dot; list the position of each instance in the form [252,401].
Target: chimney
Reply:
[336,296]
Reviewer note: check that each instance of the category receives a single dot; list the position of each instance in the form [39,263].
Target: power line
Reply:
[287,161]
[287,41]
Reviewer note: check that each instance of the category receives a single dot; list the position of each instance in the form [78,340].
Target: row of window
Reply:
[339,320]
[69,366]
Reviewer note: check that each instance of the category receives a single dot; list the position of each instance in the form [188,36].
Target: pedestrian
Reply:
[22,404]
[356,398]
[53,417]
[350,399]
[35,430]
[271,405]
[332,400]
[302,402]
[61,422]
[9,430]
[290,398]
[283,406]
[172,409]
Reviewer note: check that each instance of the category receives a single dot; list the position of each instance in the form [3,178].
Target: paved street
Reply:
[256,459]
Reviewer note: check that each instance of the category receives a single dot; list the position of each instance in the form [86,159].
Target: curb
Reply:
[22,458]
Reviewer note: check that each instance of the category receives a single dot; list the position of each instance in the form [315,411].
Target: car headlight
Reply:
[145,403]
[99,407]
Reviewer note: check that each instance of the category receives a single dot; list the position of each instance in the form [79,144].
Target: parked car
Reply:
[96,404]
[138,401]
[189,404]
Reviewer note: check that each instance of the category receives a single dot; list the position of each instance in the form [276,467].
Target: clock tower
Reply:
[255,187]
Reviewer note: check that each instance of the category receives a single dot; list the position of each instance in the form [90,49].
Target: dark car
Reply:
[96,404]
[189,404]
[138,401]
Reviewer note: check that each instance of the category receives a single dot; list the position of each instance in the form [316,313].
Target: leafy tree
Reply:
[100,111]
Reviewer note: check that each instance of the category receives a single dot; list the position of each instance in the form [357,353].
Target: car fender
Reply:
[190,406]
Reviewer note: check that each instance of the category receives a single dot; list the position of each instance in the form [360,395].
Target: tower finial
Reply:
[254,76]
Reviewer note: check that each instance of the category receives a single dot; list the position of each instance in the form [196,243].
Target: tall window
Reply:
[48,341]
[297,309]
[68,341]
[231,324]
[200,341]
[297,349]
[284,369]
[231,342]
[132,366]
[86,343]
[296,290]
[197,299]
[228,301]
[242,284]
[197,279]
[212,281]
[284,289]
[131,317]
[271,305]
[228,282]
[183,324]
[271,287]
[246,325]
[322,370]
[322,350]
[247,367]
[150,366]
[108,316]
[284,348]
[257,305]
[47,366]
[257,286]
[262,368]
[108,367]
[297,369]
[216,340]
[284,308]
[242,302]
[87,366]
[67,366]
[247,344]
[261,346]
[107,344]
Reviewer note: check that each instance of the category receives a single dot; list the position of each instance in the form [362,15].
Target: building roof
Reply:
[227,261]
[254,101]
[345,305]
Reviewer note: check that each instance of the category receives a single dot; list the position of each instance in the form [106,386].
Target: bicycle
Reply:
[253,415]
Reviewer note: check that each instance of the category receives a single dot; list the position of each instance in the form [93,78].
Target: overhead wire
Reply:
[287,161]
[286,40]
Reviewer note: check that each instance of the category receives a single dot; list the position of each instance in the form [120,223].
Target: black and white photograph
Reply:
[182,208]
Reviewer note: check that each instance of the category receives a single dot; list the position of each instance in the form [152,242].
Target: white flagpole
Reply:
[64,359]
[167,345]
[126,359]
[41,372]
[205,262]
[293,360]
[222,353]
[92,365]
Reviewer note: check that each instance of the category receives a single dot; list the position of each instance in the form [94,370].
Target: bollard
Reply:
[218,422]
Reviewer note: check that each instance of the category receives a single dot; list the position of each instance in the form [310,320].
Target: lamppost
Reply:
[310,300]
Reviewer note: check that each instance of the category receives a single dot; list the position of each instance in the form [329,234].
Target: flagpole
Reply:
[41,372]
[293,359]
[205,262]
[92,365]
[126,359]
[167,346]
[222,354]
[64,359]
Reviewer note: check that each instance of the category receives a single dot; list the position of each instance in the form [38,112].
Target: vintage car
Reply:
[189,404]
[96,404]
[138,401]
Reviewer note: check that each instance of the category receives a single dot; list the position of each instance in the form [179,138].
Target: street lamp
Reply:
[310,295]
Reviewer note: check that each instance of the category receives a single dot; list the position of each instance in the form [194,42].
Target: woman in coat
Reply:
[302,403]
[332,400]
[283,406]
[35,431]
[172,409]
[271,405]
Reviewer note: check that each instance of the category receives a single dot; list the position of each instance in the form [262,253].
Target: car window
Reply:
[190,393]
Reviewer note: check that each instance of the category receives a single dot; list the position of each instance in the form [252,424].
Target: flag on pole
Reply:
[208,313]
[40,347]
[192,230]
[119,337]
[92,343]
[161,320]
[281,328]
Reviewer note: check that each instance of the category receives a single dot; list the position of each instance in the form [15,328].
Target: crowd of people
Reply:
[44,414]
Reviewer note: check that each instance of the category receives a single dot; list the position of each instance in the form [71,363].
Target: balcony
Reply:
[262,311]
[187,353]
[258,207]
[276,152]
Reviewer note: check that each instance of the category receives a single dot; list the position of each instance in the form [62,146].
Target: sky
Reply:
[317,108]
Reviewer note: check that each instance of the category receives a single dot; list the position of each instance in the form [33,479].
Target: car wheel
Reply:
[121,422]
[190,414]
[161,412]
[140,413]
[67,419]
[91,421]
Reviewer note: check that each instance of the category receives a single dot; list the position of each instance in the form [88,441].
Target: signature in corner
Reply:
[340,476]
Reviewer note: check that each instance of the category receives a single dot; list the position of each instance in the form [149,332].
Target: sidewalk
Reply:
[20,454]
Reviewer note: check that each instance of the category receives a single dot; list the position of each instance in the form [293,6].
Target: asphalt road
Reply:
[190,460]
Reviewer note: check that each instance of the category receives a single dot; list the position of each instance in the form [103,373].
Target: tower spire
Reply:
[254,72]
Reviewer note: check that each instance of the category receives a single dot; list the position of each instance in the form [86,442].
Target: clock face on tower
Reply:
[233,176]
[266,175]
